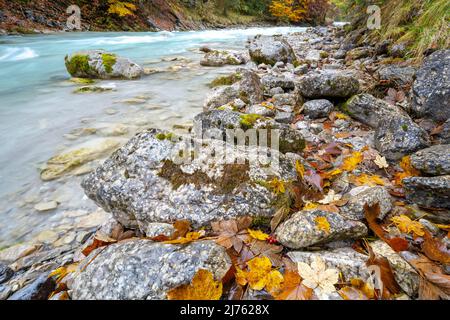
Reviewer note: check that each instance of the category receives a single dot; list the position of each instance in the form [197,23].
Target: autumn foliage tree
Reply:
[312,11]
[121,8]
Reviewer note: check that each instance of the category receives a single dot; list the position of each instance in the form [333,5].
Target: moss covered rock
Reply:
[98,64]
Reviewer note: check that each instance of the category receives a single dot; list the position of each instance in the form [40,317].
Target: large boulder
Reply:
[248,89]
[328,83]
[369,110]
[431,89]
[430,192]
[160,177]
[444,135]
[217,58]
[434,161]
[303,229]
[98,64]
[271,49]
[145,270]
[217,122]
[399,136]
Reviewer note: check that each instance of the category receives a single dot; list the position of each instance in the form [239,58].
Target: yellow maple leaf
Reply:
[342,116]
[365,179]
[310,206]
[408,171]
[322,224]
[190,237]
[61,272]
[300,169]
[202,287]
[277,186]
[258,234]
[350,163]
[260,275]
[406,225]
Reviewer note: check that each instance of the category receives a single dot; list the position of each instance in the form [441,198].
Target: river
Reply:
[40,115]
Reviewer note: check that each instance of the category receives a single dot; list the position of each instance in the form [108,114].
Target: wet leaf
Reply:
[406,225]
[278,217]
[381,162]
[202,287]
[232,233]
[367,180]
[435,249]
[351,163]
[322,224]
[293,289]
[318,276]
[260,275]
[190,237]
[258,234]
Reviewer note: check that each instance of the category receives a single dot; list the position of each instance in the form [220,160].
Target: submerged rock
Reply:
[99,64]
[302,229]
[217,58]
[329,83]
[399,136]
[157,178]
[68,161]
[145,270]
[271,49]
[431,89]
[433,161]
[430,192]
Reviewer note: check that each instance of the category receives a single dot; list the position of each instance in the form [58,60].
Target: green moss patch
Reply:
[248,120]
[78,64]
[233,176]
[109,60]
[227,80]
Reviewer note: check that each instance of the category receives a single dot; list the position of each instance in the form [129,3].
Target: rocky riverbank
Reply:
[363,184]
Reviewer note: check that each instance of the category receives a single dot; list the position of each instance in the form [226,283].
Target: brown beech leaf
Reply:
[435,249]
[271,251]
[434,284]
[94,245]
[182,227]
[390,285]
[232,233]
[278,217]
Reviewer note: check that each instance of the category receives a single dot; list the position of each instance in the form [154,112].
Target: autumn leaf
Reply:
[260,275]
[61,272]
[190,237]
[434,249]
[232,233]
[318,276]
[341,116]
[278,217]
[381,162]
[367,180]
[352,293]
[271,251]
[258,234]
[408,171]
[406,225]
[350,163]
[330,197]
[202,287]
[385,274]
[322,224]
[293,289]
[300,169]
[314,179]
[277,186]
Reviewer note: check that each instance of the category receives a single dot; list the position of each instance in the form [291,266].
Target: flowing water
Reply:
[40,115]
